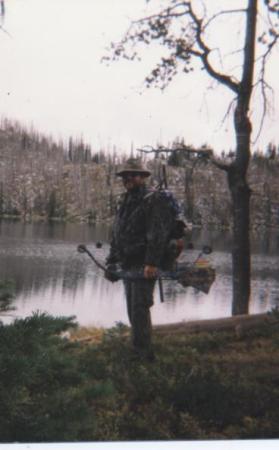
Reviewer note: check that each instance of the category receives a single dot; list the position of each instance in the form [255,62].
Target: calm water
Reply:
[51,276]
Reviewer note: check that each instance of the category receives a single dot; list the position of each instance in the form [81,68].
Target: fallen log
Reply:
[238,324]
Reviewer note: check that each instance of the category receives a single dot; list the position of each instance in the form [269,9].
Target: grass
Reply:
[91,388]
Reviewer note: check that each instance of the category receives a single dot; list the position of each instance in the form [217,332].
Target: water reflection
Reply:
[50,275]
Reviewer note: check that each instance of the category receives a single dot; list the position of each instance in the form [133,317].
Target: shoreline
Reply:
[237,324]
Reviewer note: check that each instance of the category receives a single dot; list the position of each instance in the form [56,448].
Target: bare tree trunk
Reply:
[241,242]
[239,188]
[189,195]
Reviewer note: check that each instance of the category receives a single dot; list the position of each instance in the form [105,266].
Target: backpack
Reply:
[179,226]
[175,244]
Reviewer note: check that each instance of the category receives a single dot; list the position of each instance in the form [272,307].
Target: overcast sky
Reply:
[51,77]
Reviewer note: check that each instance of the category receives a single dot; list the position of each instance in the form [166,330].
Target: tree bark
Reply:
[238,185]
[241,266]
[239,324]
[189,195]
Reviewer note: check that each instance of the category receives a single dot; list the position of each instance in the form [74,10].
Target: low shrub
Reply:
[204,386]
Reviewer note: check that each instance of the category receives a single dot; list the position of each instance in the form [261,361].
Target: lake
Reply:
[51,276]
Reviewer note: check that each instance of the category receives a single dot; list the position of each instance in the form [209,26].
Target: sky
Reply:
[52,78]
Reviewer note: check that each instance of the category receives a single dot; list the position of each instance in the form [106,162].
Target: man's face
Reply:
[132,180]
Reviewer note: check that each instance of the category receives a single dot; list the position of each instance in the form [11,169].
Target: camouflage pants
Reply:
[139,298]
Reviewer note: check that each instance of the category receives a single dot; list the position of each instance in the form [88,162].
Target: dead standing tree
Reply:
[182,30]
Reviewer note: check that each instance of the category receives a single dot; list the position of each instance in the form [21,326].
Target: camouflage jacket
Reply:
[141,229]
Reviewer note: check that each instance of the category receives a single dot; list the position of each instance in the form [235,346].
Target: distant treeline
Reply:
[46,179]
[42,178]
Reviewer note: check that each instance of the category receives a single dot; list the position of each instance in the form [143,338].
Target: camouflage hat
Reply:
[135,166]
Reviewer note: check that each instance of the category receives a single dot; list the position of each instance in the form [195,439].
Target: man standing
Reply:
[141,232]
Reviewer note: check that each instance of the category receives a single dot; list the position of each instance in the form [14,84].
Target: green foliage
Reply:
[44,396]
[205,386]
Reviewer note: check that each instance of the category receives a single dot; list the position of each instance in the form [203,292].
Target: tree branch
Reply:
[203,152]
[221,166]
[5,31]
[263,84]
[228,110]
[157,27]
[164,14]
[204,56]
[221,13]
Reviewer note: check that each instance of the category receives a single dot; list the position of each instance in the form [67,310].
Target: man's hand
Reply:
[150,272]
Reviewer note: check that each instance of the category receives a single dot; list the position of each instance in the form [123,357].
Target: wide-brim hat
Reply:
[134,166]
